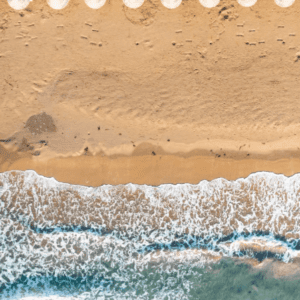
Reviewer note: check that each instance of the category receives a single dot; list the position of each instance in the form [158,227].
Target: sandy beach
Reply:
[100,98]
[149,95]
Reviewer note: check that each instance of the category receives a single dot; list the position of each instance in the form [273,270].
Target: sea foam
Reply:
[96,240]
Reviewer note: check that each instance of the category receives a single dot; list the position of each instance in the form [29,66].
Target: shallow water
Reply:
[144,242]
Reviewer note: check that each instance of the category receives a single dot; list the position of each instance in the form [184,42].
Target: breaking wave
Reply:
[137,241]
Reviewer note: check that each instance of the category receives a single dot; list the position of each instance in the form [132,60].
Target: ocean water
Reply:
[62,241]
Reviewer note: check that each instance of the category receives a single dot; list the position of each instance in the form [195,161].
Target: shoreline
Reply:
[141,168]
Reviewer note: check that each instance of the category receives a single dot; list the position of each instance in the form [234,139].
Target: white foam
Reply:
[208,209]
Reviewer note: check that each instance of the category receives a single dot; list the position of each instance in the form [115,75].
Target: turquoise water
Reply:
[224,280]
[61,241]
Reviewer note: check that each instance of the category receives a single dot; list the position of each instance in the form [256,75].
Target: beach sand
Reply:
[149,95]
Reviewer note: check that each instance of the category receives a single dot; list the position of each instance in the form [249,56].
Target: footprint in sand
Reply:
[263,54]
[202,51]
[281,40]
[148,44]
[297,58]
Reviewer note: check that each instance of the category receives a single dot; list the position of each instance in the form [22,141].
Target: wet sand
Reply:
[147,169]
